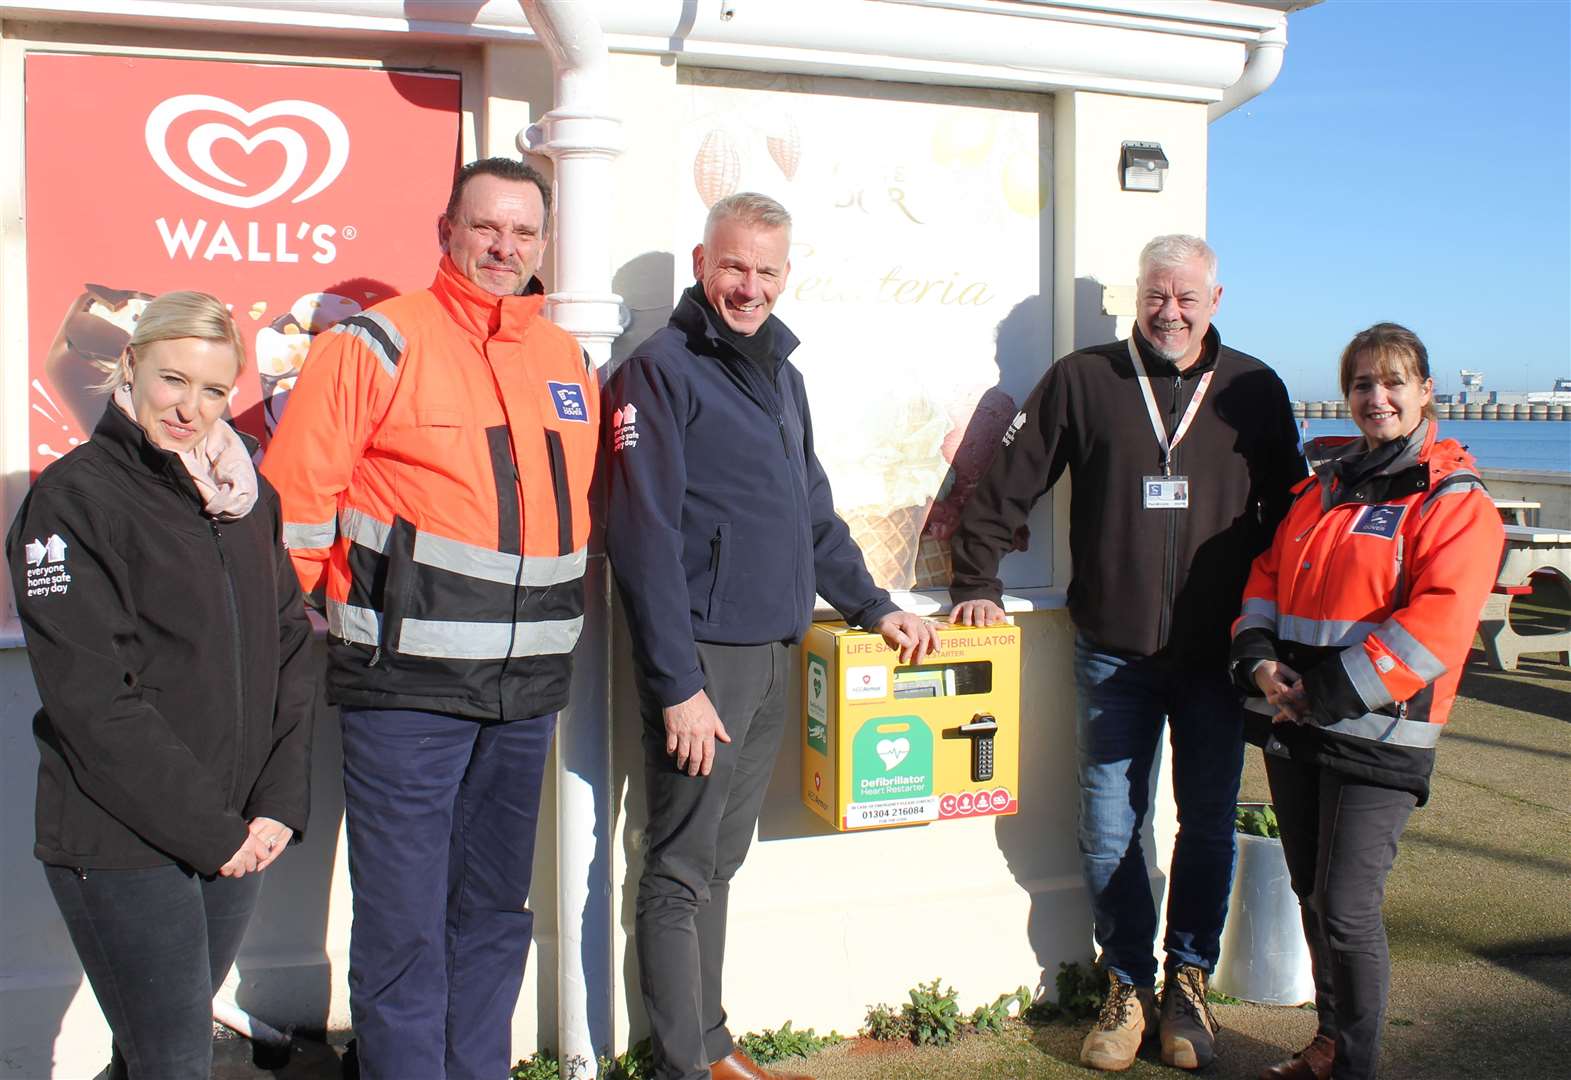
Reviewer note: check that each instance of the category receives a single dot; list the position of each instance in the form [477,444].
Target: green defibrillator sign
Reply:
[892,769]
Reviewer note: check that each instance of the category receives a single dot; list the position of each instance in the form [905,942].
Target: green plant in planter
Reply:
[1257,821]
[933,1013]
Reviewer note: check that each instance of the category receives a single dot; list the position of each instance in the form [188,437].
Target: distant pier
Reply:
[1473,410]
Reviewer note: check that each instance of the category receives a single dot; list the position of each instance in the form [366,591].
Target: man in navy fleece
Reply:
[721,528]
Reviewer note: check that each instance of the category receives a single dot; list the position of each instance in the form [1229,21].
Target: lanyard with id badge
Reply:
[1166,492]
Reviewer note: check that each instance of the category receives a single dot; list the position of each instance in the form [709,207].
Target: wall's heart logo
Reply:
[201,139]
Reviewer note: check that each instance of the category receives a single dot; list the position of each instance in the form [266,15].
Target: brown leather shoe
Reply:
[738,1066]
[1313,1062]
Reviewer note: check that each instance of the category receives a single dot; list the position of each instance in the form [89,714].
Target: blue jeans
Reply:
[156,944]
[1123,702]
[440,812]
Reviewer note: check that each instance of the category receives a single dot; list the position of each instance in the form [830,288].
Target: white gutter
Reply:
[1262,64]
[1181,50]
[582,137]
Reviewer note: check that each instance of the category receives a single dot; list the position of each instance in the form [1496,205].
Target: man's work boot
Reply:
[738,1066]
[1313,1062]
[1126,1016]
[1188,1027]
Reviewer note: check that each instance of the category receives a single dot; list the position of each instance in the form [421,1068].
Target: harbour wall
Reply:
[1473,410]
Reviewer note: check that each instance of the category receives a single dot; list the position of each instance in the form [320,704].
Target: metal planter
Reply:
[1264,957]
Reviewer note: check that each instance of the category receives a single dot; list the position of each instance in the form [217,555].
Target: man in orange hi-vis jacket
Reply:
[434,465]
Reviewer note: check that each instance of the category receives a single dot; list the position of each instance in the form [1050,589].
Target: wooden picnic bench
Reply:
[1528,551]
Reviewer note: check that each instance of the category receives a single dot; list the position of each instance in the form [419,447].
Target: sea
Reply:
[1540,445]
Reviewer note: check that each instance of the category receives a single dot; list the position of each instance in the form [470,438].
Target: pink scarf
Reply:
[219,466]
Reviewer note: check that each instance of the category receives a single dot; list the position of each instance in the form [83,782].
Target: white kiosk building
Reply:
[971,182]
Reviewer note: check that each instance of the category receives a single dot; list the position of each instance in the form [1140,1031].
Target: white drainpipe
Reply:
[1262,64]
[582,137]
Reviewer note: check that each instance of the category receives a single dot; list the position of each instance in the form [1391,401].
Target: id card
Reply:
[1166,492]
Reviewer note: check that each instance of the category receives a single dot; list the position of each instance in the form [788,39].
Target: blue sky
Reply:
[1411,163]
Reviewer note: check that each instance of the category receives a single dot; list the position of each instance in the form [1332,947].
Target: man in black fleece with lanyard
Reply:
[721,528]
[1183,453]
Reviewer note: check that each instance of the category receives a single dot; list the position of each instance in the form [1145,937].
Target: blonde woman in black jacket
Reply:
[172,655]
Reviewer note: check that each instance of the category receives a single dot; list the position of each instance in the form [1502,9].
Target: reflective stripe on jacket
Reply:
[1372,593]
[435,463]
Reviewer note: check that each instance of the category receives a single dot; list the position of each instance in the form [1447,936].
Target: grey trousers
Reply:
[700,828]
[1339,835]
[156,944]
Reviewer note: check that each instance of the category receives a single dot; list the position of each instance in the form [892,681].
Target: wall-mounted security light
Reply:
[1142,165]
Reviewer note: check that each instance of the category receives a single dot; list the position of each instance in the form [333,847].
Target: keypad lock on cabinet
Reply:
[981,731]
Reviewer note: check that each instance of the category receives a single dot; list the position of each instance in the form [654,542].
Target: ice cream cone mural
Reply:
[934,567]
[785,145]
[916,479]
[717,168]
[889,538]
[900,475]
[282,345]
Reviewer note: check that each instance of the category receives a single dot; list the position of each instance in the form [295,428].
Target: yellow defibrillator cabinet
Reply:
[891,744]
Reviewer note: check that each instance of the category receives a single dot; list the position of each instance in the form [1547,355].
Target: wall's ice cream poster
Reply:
[297,195]
[919,280]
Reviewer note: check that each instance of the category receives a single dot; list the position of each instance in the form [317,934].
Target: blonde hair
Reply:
[182,314]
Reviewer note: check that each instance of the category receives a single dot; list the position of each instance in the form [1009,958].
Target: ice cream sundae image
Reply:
[891,487]
[281,346]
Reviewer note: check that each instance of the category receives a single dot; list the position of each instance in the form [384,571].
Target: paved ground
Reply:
[1478,908]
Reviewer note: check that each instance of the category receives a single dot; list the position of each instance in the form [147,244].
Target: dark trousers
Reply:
[440,812]
[1339,835]
[155,944]
[700,828]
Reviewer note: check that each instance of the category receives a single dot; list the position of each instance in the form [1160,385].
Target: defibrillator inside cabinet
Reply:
[890,744]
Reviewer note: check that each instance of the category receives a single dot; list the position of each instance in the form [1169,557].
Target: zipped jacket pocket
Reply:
[719,564]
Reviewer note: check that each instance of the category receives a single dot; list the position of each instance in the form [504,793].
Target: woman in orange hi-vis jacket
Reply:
[1354,630]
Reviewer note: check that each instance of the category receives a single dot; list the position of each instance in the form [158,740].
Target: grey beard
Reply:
[1169,354]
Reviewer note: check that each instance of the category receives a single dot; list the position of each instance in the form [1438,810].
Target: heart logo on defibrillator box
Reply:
[893,751]
[891,758]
